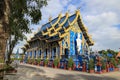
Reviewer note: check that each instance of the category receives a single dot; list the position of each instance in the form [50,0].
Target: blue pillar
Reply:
[81,43]
[35,54]
[30,54]
[72,43]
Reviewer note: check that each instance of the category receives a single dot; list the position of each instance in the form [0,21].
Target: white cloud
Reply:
[101,21]
[65,2]
[53,8]
[99,16]
[72,8]
[98,6]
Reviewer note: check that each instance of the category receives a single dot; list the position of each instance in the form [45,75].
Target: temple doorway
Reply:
[66,52]
[46,52]
[35,54]
[54,52]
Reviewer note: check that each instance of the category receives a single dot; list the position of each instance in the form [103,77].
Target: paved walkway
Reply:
[31,72]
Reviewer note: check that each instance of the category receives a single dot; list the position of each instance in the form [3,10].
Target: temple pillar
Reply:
[37,53]
[57,52]
[42,53]
[60,53]
[50,53]
[32,54]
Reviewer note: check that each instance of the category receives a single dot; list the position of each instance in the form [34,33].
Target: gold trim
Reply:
[60,25]
[52,25]
[53,34]
[63,35]
[77,14]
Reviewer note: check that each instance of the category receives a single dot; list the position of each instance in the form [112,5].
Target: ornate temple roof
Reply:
[56,29]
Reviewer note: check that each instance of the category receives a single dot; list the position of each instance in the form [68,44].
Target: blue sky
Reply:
[101,17]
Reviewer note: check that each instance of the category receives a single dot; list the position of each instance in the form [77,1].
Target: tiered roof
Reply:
[56,29]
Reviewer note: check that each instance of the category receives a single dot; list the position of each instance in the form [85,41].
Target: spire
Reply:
[50,18]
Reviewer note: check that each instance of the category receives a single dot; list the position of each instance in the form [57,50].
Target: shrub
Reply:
[103,65]
[12,59]
[28,60]
[70,62]
[119,61]
[38,60]
[56,61]
[20,59]
[32,60]
[91,65]
[113,61]
[46,61]
[8,67]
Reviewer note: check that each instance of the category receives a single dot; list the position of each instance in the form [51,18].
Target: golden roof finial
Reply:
[50,18]
[77,11]
[66,13]
[60,14]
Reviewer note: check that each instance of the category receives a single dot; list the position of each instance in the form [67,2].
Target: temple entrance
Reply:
[66,52]
[54,52]
[46,53]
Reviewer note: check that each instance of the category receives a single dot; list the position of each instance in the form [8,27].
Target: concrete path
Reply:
[31,72]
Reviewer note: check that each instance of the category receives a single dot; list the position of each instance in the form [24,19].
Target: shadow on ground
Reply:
[33,68]
[26,71]
[81,77]
[71,77]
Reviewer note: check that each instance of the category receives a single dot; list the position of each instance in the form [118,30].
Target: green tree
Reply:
[70,62]
[103,52]
[114,53]
[15,19]
[91,64]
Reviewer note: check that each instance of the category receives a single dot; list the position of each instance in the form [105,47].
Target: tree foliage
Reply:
[108,51]
[22,14]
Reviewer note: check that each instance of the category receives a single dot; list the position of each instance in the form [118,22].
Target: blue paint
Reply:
[39,53]
[35,54]
[81,43]
[31,54]
[66,24]
[47,25]
[98,68]
[62,64]
[62,19]
[80,59]
[25,59]
[72,43]
[109,55]
[54,20]
[76,62]
[71,18]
